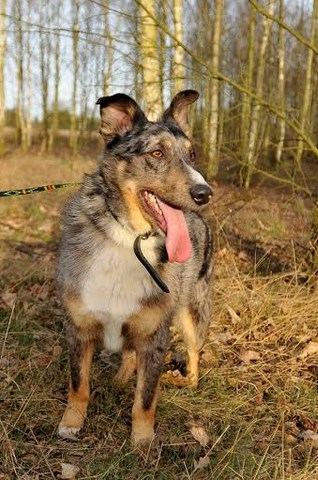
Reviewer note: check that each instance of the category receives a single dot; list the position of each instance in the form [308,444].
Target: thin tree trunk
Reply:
[28,120]
[178,72]
[255,114]
[213,158]
[73,128]
[2,57]
[305,109]
[281,85]
[55,109]
[136,34]
[248,80]
[162,37]
[20,122]
[109,50]
[150,62]
[44,70]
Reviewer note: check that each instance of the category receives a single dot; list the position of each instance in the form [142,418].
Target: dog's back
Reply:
[144,197]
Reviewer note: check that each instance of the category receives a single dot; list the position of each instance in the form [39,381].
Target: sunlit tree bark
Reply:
[305,108]
[150,62]
[28,113]
[75,36]
[281,84]
[213,158]
[2,59]
[178,71]
[55,108]
[20,120]
[248,81]
[45,51]
[256,107]
[109,53]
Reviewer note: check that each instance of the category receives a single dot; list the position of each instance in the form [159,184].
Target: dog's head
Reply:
[153,162]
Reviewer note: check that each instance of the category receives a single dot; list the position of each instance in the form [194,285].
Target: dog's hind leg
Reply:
[186,324]
[127,368]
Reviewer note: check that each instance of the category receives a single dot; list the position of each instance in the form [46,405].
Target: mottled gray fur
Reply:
[102,217]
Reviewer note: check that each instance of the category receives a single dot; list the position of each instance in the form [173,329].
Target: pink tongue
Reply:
[178,243]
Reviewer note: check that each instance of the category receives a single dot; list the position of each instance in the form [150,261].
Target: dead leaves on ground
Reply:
[199,433]
[69,471]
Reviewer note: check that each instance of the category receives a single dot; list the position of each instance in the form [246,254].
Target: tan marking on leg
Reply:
[75,412]
[127,367]
[185,322]
[76,409]
[142,432]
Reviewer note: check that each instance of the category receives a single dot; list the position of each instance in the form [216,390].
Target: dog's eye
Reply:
[157,153]
[192,154]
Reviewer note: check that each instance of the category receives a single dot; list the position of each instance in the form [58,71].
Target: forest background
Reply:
[255,129]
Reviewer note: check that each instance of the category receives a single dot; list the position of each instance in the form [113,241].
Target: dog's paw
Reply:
[175,378]
[68,433]
[142,440]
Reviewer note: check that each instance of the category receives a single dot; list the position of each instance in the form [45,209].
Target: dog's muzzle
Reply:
[201,193]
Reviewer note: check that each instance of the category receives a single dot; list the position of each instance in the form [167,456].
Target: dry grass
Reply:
[258,390]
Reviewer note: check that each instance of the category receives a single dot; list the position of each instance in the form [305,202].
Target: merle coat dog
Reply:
[145,197]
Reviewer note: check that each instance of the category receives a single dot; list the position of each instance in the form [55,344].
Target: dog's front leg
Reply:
[150,357]
[81,351]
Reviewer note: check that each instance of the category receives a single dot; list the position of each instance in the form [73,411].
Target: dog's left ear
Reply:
[119,114]
[178,110]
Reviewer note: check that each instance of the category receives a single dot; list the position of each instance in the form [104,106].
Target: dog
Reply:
[133,232]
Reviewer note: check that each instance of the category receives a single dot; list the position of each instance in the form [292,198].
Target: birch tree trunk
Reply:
[162,44]
[281,84]
[28,117]
[2,56]
[55,109]
[305,109]
[248,81]
[213,157]
[178,70]
[150,62]
[20,122]
[45,73]
[255,114]
[73,127]
[109,54]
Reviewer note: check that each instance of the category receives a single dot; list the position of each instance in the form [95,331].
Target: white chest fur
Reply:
[113,289]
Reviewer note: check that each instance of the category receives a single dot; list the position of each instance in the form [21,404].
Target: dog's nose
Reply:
[201,194]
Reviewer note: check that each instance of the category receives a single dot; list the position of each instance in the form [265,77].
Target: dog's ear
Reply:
[119,114]
[178,110]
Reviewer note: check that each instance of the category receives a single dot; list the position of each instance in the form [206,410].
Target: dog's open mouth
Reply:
[172,222]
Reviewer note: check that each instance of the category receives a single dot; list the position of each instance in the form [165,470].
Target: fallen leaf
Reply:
[310,349]
[202,463]
[220,337]
[247,356]
[309,435]
[199,434]
[69,471]
[9,298]
[243,256]
[290,439]
[234,316]
[56,352]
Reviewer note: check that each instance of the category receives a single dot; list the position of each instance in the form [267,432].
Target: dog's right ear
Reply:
[119,114]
